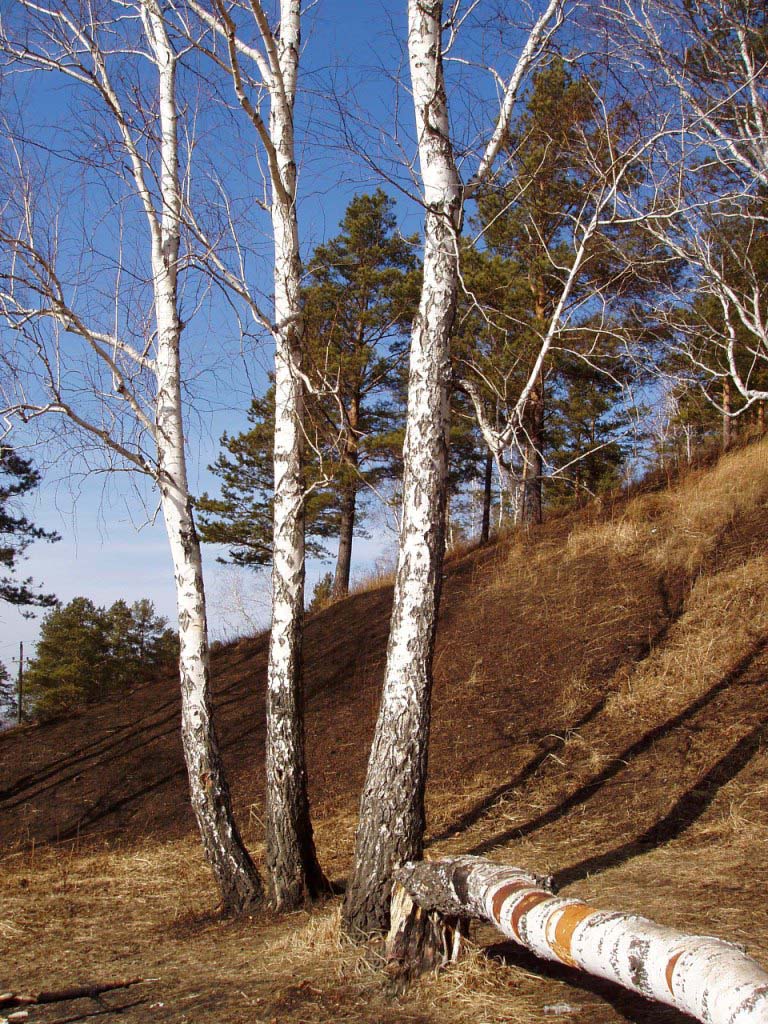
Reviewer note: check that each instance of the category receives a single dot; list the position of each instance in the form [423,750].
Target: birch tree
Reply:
[391,824]
[709,58]
[118,379]
[264,73]
[714,981]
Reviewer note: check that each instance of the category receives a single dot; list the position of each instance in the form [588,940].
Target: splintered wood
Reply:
[420,940]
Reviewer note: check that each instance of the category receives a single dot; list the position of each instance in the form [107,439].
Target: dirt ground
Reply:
[600,713]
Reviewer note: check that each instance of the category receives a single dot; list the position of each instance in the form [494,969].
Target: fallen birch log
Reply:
[63,995]
[712,980]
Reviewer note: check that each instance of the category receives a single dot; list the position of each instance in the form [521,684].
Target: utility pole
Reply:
[20,714]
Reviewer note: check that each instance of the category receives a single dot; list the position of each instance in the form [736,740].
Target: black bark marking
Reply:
[637,957]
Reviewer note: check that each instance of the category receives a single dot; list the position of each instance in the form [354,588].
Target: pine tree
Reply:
[241,517]
[359,298]
[18,478]
[71,659]
[527,219]
[491,345]
[587,434]
[557,147]
[155,644]
[85,653]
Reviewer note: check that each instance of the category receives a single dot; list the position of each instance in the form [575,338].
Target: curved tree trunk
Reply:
[294,873]
[236,876]
[391,825]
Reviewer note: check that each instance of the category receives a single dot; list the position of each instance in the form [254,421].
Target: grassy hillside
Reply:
[600,713]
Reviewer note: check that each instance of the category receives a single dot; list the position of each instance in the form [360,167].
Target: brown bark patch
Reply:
[569,921]
[527,903]
[502,895]
[671,969]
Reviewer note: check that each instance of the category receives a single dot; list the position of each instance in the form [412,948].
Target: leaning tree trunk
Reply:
[712,980]
[391,825]
[294,872]
[237,878]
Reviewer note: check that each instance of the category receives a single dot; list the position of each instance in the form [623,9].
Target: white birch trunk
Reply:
[237,878]
[74,48]
[712,980]
[294,873]
[391,823]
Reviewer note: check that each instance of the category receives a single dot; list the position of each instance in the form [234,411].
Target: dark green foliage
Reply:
[359,300]
[322,594]
[8,695]
[86,653]
[557,151]
[241,517]
[587,432]
[17,478]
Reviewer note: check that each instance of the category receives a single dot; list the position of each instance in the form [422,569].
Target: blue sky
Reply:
[113,545]
[110,548]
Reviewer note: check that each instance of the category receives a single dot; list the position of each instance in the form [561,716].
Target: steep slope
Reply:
[597,637]
[600,713]
[520,631]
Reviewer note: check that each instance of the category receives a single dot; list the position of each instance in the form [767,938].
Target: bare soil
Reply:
[600,713]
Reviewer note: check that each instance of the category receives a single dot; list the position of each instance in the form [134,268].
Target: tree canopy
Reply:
[358,301]
[86,653]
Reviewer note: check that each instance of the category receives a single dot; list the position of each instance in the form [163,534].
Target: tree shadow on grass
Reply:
[620,761]
[550,745]
[687,809]
[162,720]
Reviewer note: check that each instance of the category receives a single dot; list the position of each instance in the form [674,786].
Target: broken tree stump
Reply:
[420,940]
[713,980]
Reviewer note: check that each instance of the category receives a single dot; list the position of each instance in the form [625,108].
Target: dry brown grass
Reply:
[377,578]
[680,528]
[600,713]
[726,615]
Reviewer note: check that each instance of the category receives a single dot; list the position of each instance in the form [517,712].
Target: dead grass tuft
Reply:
[680,528]
[377,578]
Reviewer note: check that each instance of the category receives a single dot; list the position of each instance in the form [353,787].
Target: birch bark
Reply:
[712,980]
[294,872]
[391,823]
[67,39]
[237,878]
